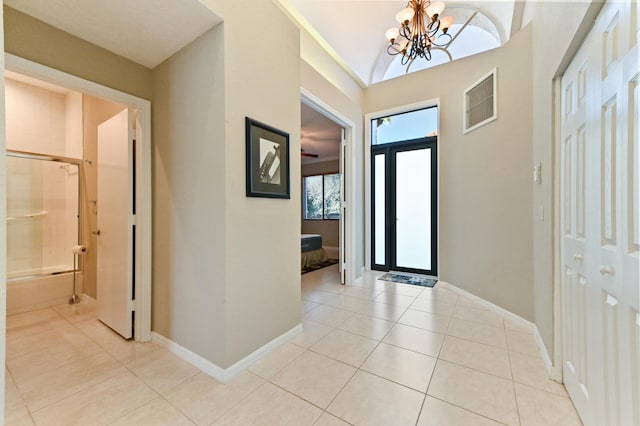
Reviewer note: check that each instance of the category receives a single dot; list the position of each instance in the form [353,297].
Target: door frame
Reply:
[391,150]
[323,108]
[142,264]
[368,178]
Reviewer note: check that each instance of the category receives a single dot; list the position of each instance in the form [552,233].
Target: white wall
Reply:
[3,226]
[485,212]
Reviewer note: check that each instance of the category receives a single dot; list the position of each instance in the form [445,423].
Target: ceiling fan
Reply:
[307,154]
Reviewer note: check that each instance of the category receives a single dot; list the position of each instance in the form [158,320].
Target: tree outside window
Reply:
[322,196]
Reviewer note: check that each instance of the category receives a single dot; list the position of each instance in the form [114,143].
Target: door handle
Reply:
[578,257]
[96,232]
[607,270]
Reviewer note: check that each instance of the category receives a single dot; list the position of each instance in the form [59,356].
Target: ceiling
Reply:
[144,31]
[318,135]
[150,31]
[354,29]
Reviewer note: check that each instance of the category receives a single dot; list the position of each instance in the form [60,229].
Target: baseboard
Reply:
[221,374]
[551,370]
[545,356]
[88,297]
[497,309]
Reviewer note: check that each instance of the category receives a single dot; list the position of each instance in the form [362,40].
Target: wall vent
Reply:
[481,102]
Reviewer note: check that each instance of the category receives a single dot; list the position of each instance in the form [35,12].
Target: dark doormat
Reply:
[421,280]
[317,266]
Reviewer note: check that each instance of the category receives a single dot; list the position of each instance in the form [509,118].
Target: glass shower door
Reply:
[42,216]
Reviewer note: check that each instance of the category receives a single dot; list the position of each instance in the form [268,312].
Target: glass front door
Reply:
[404,197]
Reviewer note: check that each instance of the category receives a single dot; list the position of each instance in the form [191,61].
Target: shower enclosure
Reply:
[43,212]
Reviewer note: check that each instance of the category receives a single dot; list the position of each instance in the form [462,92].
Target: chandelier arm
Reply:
[419,33]
[448,40]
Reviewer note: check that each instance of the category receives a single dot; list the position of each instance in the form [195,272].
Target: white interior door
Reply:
[115,223]
[343,209]
[600,213]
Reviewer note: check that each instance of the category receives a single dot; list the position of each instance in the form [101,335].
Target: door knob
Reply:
[96,232]
[578,257]
[607,270]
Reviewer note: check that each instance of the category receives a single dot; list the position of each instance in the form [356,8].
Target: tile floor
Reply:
[376,353]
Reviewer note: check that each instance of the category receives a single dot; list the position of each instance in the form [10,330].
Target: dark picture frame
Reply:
[267,161]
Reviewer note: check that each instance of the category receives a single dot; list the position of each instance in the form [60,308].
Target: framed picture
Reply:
[267,161]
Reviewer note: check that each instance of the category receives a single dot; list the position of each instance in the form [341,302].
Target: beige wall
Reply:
[95,111]
[329,229]
[189,221]
[217,271]
[549,58]
[262,81]
[39,42]
[485,189]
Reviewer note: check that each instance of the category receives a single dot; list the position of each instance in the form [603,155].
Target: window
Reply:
[405,126]
[322,196]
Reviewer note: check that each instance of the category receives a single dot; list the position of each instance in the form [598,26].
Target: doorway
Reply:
[140,269]
[404,206]
[338,215]
[404,197]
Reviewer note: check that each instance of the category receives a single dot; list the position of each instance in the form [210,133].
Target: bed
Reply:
[312,251]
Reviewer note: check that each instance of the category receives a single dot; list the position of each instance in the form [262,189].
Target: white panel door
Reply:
[599,220]
[343,206]
[115,223]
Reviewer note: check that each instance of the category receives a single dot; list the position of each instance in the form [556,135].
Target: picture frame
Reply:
[267,167]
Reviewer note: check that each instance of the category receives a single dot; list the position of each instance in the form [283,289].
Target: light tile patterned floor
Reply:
[376,353]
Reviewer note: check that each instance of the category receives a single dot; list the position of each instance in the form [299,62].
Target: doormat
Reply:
[317,266]
[420,280]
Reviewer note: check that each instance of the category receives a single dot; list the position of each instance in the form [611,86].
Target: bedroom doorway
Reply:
[325,182]
[404,192]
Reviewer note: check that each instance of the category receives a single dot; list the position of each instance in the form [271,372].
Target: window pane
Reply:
[332,196]
[413,209]
[313,197]
[380,210]
[406,126]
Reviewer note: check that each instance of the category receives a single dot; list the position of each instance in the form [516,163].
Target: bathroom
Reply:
[52,191]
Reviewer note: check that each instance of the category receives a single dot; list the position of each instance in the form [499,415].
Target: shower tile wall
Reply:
[46,120]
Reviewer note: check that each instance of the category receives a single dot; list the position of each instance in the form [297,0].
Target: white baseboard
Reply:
[497,309]
[221,374]
[551,370]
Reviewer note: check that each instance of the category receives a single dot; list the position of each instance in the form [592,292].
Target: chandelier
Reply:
[421,28]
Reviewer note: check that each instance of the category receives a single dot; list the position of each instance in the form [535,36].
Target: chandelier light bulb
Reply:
[435,9]
[445,23]
[405,15]
[420,27]
[391,34]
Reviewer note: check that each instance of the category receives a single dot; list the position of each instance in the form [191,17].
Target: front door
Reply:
[404,206]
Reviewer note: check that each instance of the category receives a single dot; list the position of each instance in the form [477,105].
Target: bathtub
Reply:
[28,293]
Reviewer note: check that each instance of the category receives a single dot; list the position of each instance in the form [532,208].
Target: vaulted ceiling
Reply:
[352,31]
